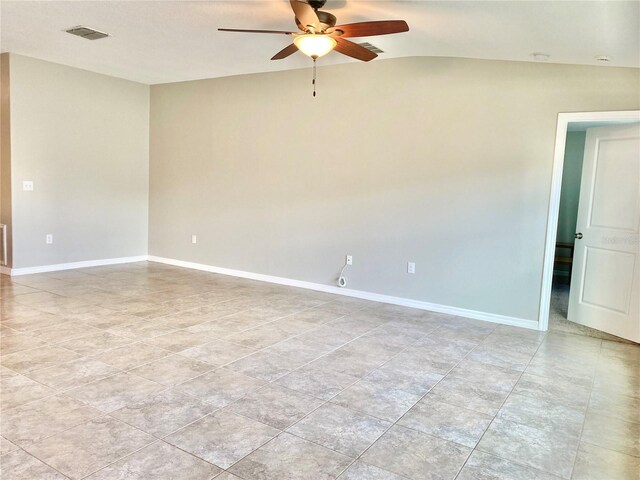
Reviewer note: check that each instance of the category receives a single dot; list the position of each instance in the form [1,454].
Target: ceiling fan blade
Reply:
[353,50]
[281,32]
[305,13]
[285,52]
[370,29]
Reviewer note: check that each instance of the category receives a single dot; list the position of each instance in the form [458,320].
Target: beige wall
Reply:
[83,139]
[444,162]
[5,152]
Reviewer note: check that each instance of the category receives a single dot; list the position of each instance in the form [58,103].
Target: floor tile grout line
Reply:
[40,460]
[496,416]
[282,341]
[173,387]
[165,436]
[89,356]
[35,400]
[280,432]
[223,338]
[619,419]
[586,412]
[311,361]
[63,391]
[155,440]
[421,398]
[101,415]
[392,424]
[611,450]
[89,421]
[161,440]
[132,313]
[319,406]
[48,343]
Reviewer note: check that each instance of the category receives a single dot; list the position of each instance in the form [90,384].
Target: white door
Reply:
[605,284]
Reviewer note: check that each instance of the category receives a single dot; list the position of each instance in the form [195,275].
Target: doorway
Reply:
[567,170]
[565,241]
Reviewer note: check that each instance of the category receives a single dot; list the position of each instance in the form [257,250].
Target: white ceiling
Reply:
[169,41]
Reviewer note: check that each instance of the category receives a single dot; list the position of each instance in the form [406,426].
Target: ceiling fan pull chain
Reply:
[314,77]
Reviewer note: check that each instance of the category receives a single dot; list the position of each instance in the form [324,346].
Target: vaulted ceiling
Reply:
[169,41]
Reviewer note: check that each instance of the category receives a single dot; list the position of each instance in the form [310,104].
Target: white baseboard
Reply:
[70,266]
[376,297]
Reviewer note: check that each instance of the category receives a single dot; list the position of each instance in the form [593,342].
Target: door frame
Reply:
[564,119]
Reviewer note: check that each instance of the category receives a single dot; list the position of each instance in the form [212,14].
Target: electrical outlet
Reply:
[49,239]
[27,185]
[349,260]
[411,267]
[194,239]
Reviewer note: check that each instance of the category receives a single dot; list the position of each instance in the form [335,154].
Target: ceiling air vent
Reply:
[370,47]
[86,32]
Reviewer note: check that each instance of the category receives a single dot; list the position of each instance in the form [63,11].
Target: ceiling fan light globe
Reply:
[314,45]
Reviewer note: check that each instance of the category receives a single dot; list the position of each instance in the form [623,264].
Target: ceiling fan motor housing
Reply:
[327,20]
[316,4]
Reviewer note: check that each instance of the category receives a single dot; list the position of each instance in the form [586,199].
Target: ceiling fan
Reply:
[319,34]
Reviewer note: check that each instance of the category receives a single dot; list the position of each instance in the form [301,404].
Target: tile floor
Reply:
[145,371]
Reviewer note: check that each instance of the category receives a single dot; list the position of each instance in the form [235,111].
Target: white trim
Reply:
[70,266]
[376,297]
[554,199]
